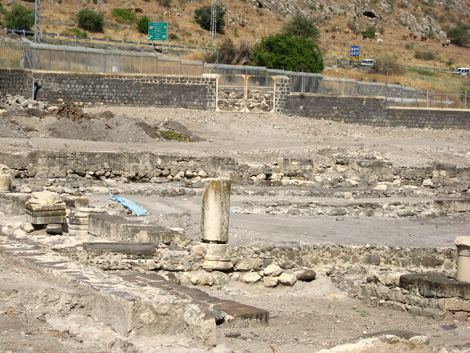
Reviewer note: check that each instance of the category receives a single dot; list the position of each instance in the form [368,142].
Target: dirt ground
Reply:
[305,318]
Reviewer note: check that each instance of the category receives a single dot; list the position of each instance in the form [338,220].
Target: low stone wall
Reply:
[368,110]
[148,166]
[435,294]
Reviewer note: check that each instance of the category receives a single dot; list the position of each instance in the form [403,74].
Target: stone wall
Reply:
[129,89]
[200,92]
[373,111]
[144,166]
[16,82]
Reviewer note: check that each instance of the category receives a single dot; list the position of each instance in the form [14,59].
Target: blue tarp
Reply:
[139,211]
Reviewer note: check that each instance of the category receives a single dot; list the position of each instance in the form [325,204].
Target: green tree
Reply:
[301,26]
[143,25]
[19,16]
[91,21]
[459,35]
[284,52]
[203,18]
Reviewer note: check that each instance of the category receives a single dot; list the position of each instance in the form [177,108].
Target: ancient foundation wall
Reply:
[368,110]
[141,166]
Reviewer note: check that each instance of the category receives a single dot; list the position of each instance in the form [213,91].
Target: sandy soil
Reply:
[305,318]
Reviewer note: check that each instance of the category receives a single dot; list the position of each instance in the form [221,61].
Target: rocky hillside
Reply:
[401,25]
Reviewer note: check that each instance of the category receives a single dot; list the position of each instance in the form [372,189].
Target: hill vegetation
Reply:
[404,32]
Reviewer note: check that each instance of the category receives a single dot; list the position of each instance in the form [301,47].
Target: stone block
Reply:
[287,279]
[251,277]
[270,281]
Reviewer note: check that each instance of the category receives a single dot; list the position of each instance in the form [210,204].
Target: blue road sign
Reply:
[355,50]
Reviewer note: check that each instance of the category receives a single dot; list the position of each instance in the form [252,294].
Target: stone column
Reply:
[214,225]
[463,258]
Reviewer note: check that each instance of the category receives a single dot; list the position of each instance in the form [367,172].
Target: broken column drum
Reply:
[463,258]
[214,225]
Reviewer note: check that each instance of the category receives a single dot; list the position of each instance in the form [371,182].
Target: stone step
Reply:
[119,229]
[143,303]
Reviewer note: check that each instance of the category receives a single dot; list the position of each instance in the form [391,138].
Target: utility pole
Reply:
[213,19]
[37,21]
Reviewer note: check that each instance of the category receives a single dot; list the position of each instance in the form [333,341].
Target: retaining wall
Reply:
[373,111]
[200,92]
[15,82]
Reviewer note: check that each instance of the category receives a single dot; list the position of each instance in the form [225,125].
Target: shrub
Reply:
[203,18]
[143,25]
[164,3]
[75,32]
[353,26]
[387,66]
[284,52]
[90,20]
[229,53]
[123,15]
[301,26]
[173,36]
[19,16]
[459,35]
[425,55]
[368,34]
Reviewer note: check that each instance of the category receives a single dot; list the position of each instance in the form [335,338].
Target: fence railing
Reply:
[64,39]
[71,58]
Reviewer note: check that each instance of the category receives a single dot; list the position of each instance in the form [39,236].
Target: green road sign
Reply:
[158,30]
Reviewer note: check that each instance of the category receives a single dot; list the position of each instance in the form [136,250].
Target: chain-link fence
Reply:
[11,55]
[71,58]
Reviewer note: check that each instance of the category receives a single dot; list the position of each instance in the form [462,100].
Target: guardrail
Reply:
[108,42]
[406,67]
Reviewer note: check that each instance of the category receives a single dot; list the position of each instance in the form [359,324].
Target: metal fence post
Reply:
[427,99]
[465,100]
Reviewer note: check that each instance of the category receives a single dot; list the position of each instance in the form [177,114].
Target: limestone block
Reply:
[220,278]
[251,277]
[272,270]
[287,279]
[45,201]
[46,216]
[455,304]
[215,211]
[270,281]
